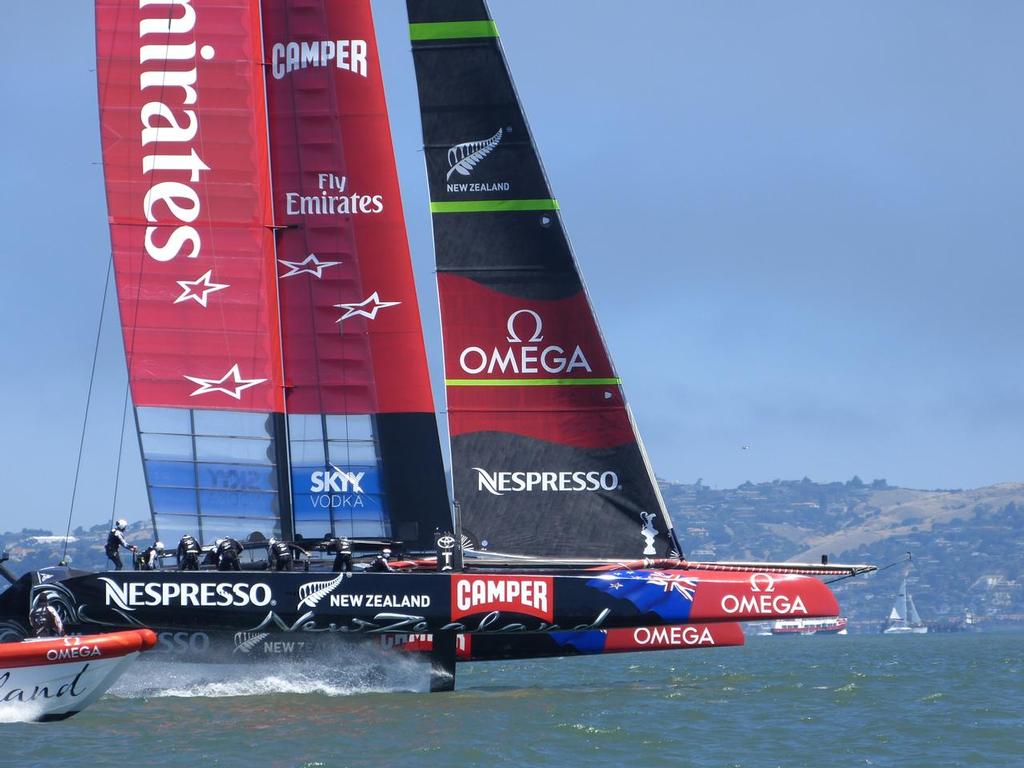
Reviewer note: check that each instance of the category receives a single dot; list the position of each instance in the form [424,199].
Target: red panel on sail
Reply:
[350,319]
[532,367]
[185,153]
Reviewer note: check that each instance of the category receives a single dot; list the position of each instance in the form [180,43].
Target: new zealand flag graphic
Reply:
[669,595]
[583,642]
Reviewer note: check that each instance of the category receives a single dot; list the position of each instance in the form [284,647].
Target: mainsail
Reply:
[271,325]
[546,458]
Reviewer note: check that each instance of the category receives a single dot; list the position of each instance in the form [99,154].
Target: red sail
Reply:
[269,314]
[365,454]
[353,342]
[186,162]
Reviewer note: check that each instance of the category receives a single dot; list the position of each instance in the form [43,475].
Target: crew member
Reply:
[380,562]
[188,553]
[44,618]
[279,555]
[228,551]
[116,540]
[150,557]
[343,556]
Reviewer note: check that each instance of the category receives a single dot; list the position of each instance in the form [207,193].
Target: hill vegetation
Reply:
[965,544]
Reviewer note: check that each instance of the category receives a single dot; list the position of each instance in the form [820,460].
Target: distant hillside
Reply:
[966,545]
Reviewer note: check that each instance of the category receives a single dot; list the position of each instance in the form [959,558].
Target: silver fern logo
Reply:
[247,641]
[464,157]
[312,593]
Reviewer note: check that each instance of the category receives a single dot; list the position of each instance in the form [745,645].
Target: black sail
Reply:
[546,458]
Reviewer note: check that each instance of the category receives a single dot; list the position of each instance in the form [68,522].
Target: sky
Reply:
[801,226]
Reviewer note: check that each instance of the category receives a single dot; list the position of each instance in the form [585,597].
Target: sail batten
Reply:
[546,458]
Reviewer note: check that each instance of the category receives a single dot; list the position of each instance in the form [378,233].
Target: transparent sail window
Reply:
[164,420]
[210,473]
[336,477]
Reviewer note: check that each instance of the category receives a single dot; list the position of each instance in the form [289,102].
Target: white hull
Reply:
[56,691]
[905,631]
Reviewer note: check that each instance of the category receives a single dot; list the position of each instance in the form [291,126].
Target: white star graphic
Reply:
[188,289]
[360,308]
[216,385]
[311,265]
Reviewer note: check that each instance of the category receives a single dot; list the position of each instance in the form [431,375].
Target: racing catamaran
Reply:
[277,366]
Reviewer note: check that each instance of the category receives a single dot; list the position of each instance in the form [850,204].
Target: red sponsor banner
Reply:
[673,636]
[424,643]
[568,391]
[185,158]
[528,595]
[760,596]
[353,342]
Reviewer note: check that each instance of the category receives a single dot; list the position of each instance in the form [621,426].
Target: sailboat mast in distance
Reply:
[546,457]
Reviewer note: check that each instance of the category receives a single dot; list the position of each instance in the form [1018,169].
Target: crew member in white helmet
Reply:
[116,540]
[149,560]
[380,562]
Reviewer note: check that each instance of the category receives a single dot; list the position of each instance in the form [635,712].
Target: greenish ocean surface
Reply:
[931,700]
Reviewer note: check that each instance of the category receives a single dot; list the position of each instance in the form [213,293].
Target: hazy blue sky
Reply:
[800,222]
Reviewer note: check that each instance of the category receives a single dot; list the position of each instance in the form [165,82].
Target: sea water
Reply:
[918,700]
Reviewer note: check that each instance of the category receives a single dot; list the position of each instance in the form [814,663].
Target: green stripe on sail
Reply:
[452,30]
[493,206]
[531,382]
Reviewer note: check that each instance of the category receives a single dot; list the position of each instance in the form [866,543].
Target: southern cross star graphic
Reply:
[205,286]
[311,265]
[234,389]
[368,307]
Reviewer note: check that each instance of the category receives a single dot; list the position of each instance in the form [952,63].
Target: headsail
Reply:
[546,457]
[270,320]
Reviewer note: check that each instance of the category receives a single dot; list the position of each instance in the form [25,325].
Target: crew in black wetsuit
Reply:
[343,556]
[380,562]
[116,540]
[188,553]
[279,555]
[44,618]
[228,551]
[150,557]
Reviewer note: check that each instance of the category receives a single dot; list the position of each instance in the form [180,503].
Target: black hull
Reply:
[508,615]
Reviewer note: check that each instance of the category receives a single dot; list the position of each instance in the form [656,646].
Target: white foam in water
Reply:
[363,671]
[19,713]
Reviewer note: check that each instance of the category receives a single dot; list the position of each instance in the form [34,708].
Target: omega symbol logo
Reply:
[538,326]
[759,580]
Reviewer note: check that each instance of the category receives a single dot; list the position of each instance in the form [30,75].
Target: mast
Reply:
[547,461]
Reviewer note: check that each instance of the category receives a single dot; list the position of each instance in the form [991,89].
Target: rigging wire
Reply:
[120,452]
[906,559]
[88,403]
